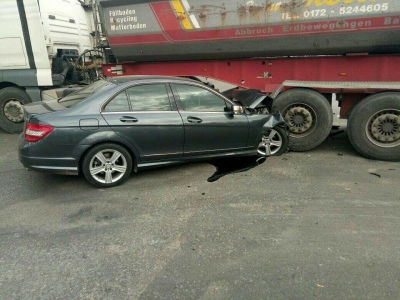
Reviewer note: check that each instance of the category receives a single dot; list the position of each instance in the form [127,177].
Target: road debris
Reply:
[375,174]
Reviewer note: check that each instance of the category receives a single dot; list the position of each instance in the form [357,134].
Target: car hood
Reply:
[251,98]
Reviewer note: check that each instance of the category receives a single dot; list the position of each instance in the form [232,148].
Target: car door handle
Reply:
[128,119]
[194,120]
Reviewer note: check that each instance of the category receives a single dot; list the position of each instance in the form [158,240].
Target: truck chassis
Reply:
[301,88]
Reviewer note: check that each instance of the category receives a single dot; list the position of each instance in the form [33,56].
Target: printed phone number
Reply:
[372,8]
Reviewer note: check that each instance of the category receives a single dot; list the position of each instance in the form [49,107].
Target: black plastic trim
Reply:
[25,31]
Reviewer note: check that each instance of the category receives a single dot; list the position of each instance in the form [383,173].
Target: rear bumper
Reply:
[35,156]
[47,165]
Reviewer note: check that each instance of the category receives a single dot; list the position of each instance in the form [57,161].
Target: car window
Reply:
[149,97]
[118,103]
[195,98]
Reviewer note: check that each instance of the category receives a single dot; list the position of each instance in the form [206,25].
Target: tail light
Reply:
[36,132]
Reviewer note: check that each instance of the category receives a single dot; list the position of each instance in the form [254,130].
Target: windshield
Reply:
[86,92]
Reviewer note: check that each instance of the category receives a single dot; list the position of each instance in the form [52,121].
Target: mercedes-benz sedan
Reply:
[113,126]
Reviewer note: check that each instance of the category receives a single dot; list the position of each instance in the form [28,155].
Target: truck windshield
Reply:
[86,92]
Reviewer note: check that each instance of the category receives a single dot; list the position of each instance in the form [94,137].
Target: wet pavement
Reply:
[323,224]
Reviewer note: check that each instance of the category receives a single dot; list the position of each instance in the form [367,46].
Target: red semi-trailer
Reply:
[300,52]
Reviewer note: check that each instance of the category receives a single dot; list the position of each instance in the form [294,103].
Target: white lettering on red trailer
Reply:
[258,31]
[325,26]
[392,21]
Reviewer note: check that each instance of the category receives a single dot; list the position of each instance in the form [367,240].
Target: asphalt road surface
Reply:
[324,224]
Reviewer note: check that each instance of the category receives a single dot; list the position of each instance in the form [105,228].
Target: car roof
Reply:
[133,78]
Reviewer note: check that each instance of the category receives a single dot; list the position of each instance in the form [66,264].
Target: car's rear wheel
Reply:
[107,165]
[274,142]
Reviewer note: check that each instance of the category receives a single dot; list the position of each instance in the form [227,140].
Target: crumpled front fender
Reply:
[275,119]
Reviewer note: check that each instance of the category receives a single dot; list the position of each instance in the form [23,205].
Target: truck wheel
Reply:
[12,100]
[309,116]
[374,127]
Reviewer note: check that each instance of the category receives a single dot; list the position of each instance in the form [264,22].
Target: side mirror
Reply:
[237,110]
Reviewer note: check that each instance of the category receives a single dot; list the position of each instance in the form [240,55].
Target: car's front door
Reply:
[209,126]
[143,115]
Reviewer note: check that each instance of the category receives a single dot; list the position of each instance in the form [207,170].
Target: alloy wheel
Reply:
[108,166]
[271,143]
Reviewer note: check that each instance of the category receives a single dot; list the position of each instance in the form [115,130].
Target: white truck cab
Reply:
[37,40]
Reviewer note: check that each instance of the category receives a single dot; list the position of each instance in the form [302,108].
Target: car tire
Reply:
[374,127]
[309,115]
[12,100]
[277,139]
[107,165]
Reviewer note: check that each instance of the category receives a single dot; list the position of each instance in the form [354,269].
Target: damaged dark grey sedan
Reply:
[113,126]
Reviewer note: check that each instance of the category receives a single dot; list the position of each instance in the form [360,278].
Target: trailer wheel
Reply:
[308,114]
[374,127]
[12,100]
[57,65]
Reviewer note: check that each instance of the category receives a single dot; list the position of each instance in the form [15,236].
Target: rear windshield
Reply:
[86,92]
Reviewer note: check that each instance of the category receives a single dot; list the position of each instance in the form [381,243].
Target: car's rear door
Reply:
[144,115]
[209,126]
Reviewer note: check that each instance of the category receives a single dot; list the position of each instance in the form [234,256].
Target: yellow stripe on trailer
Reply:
[180,11]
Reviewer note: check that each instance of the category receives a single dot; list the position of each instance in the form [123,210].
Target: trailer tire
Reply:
[308,114]
[12,100]
[57,65]
[374,126]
